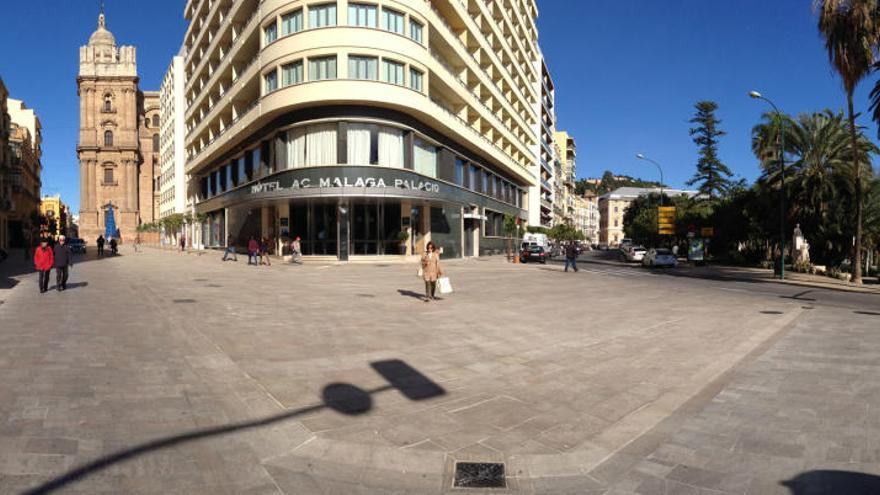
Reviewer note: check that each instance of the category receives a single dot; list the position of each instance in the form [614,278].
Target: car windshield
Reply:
[536,249]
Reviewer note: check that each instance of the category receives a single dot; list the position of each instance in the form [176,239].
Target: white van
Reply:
[536,240]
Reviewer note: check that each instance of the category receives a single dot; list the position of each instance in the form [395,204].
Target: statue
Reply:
[800,246]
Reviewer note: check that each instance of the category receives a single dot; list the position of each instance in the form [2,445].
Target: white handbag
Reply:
[421,273]
[445,285]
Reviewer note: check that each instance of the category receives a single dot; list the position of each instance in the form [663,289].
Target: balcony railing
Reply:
[217,136]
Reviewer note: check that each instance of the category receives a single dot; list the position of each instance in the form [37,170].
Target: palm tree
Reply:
[851,29]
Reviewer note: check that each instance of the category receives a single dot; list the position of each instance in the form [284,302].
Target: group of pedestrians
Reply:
[58,257]
[114,245]
[258,250]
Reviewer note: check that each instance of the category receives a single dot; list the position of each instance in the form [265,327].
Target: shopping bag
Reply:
[421,273]
[445,285]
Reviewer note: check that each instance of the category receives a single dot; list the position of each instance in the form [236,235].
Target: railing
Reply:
[214,105]
[232,123]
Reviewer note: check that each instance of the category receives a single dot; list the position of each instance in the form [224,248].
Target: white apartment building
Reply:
[364,128]
[172,152]
[542,194]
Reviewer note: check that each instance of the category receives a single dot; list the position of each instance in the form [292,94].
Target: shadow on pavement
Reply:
[833,483]
[409,293]
[341,397]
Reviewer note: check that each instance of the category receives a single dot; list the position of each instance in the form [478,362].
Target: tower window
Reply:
[108,103]
[108,138]
[108,176]
[155,143]
[156,120]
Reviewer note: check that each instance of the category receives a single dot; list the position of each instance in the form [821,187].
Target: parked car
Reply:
[533,253]
[636,253]
[659,257]
[77,245]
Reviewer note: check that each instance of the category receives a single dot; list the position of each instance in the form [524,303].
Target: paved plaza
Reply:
[161,372]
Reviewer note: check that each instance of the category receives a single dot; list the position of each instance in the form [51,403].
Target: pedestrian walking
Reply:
[114,246]
[182,243]
[431,271]
[137,243]
[253,250]
[571,254]
[264,251]
[296,250]
[230,249]
[100,242]
[63,260]
[43,262]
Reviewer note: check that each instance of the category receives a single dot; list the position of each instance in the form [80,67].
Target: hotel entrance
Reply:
[343,228]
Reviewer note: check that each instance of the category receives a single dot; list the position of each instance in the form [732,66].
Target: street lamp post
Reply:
[758,96]
[640,156]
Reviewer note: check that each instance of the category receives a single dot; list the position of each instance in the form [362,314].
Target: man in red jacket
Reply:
[44,259]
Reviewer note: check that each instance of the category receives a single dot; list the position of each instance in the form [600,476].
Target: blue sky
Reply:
[627,73]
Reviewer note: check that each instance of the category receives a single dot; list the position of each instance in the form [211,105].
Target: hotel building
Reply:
[363,128]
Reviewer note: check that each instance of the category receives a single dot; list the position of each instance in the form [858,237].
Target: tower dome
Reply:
[102,36]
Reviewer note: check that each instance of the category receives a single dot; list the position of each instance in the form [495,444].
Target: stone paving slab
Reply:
[553,374]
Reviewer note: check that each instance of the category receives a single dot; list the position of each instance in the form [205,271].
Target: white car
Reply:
[636,253]
[659,257]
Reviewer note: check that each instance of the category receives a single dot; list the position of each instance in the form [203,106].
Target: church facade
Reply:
[118,146]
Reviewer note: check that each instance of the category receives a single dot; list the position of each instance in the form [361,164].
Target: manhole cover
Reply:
[869,313]
[366,295]
[213,285]
[183,301]
[200,280]
[479,475]
[771,312]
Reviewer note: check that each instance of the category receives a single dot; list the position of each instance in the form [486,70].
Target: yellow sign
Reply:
[666,220]
[707,231]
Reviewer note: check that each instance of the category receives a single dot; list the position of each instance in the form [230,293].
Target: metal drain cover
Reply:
[183,301]
[479,475]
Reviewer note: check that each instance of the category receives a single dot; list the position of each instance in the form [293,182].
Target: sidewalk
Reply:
[750,274]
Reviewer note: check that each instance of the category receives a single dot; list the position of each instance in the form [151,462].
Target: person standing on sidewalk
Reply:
[63,259]
[137,242]
[182,243]
[100,243]
[296,250]
[431,271]
[264,251]
[230,249]
[43,261]
[571,254]
[253,249]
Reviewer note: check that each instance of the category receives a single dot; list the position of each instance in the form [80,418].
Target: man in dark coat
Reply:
[63,261]
[571,254]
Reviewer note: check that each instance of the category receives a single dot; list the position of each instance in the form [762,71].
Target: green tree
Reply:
[851,29]
[712,175]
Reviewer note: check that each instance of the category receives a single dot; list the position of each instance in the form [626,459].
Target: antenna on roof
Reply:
[102,6]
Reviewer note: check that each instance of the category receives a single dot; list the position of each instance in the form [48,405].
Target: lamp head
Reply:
[640,156]
[755,94]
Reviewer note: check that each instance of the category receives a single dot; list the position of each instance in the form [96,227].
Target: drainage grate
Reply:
[214,285]
[366,295]
[869,313]
[771,312]
[200,280]
[479,475]
[183,301]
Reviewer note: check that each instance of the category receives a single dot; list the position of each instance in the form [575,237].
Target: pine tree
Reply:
[712,176]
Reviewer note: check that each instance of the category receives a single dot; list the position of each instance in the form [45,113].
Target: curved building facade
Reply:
[365,128]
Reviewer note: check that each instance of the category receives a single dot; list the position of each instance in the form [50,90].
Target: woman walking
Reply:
[431,271]
[264,251]
[44,259]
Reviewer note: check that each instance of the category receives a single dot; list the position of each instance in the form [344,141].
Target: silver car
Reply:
[659,257]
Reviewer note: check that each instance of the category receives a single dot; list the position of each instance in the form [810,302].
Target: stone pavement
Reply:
[197,376]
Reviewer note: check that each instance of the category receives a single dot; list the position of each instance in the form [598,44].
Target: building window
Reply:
[156,120]
[292,22]
[392,72]
[321,145]
[392,20]
[271,79]
[460,166]
[425,158]
[473,177]
[270,33]
[363,67]
[292,73]
[322,68]
[108,176]
[615,222]
[362,15]
[108,138]
[322,15]
[415,30]
[155,143]
[108,103]
[615,209]
[415,79]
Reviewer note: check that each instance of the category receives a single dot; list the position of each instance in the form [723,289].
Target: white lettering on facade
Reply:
[359,182]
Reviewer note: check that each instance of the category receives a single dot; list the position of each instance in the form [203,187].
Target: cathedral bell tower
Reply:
[109,148]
